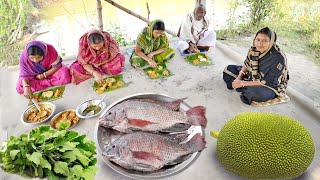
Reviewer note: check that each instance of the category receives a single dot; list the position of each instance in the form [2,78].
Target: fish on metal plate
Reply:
[147,152]
[147,115]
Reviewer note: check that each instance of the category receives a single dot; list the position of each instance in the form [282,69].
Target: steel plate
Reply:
[103,136]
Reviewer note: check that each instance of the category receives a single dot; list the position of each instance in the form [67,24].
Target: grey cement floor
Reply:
[202,85]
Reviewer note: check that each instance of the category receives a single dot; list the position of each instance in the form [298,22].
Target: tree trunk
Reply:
[148,11]
[136,15]
[99,13]
[18,31]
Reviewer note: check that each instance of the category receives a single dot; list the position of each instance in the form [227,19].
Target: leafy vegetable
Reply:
[44,152]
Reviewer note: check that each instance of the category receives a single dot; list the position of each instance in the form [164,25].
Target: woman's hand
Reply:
[237,84]
[40,76]
[192,48]
[152,63]
[27,92]
[97,77]
[239,78]
[150,55]
[164,49]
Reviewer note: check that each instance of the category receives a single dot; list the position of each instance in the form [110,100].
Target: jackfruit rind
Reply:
[265,146]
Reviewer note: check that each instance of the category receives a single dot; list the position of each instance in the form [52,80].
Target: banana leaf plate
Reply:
[199,59]
[161,71]
[110,83]
[50,94]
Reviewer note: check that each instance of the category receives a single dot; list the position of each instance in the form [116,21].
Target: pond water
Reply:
[67,20]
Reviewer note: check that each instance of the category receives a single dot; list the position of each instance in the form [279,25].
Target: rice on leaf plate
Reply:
[109,84]
[161,71]
[199,59]
[50,94]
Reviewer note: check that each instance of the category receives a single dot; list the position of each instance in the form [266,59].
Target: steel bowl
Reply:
[32,108]
[57,115]
[85,104]
[105,136]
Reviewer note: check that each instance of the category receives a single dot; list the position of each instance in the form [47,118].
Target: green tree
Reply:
[259,10]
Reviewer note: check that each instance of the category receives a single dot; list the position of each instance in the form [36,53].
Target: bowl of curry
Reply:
[90,109]
[68,115]
[32,116]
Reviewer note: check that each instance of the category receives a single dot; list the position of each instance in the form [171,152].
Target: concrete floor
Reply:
[202,85]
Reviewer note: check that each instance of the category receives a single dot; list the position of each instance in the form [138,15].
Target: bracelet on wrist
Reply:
[92,72]
[241,72]
[44,75]
[27,85]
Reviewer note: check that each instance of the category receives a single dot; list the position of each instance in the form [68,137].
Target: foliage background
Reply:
[296,20]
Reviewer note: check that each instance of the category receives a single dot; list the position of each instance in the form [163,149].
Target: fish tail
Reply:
[196,116]
[196,143]
[175,105]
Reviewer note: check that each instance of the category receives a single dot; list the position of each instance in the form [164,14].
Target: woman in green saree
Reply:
[152,46]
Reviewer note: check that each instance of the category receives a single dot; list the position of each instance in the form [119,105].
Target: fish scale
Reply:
[160,118]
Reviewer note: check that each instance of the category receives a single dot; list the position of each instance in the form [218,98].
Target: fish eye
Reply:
[110,113]
[113,146]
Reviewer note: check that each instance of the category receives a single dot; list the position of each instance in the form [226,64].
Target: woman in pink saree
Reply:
[98,54]
[40,67]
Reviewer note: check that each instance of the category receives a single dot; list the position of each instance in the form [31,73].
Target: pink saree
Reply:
[29,69]
[108,60]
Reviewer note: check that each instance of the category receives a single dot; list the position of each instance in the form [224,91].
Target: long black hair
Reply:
[159,26]
[96,38]
[35,50]
[267,31]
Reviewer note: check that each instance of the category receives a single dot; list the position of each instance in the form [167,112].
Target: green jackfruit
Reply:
[264,146]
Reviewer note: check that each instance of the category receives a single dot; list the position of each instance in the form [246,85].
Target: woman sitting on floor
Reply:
[264,75]
[98,54]
[152,46]
[40,67]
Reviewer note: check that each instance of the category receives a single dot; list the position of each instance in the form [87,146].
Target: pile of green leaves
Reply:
[45,152]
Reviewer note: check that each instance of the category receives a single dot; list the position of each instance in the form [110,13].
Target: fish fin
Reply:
[174,105]
[132,129]
[145,156]
[196,143]
[180,137]
[144,167]
[176,128]
[196,116]
[139,122]
[179,160]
